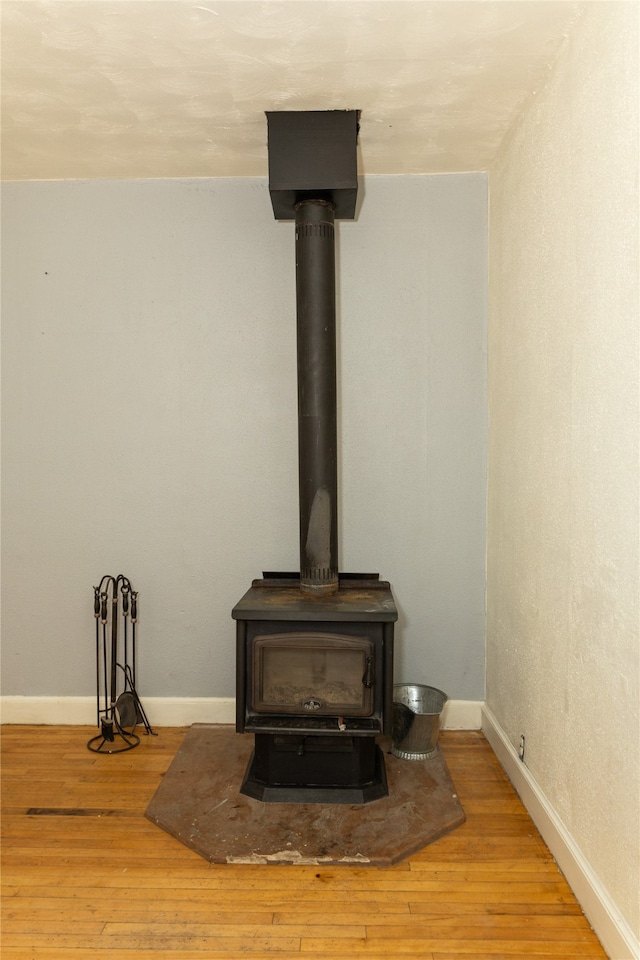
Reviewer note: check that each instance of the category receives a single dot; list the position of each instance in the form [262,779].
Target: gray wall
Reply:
[150,419]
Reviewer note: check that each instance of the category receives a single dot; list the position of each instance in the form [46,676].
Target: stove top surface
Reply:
[277,596]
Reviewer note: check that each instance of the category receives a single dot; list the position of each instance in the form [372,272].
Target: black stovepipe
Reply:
[317,404]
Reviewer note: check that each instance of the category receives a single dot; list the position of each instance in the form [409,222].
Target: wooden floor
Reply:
[87,876]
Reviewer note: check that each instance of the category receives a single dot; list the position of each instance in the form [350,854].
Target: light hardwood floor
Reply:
[87,876]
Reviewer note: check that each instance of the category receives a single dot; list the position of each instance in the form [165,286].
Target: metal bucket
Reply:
[416,720]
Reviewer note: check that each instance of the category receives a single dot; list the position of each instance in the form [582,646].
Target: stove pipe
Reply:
[317,406]
[313,179]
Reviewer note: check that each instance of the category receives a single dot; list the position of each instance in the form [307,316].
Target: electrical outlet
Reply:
[521,748]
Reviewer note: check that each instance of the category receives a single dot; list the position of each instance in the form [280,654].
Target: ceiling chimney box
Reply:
[313,156]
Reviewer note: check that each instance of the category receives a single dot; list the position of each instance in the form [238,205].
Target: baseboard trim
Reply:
[462,715]
[180,711]
[614,933]
[76,711]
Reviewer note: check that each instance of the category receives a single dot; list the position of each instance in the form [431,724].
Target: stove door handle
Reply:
[367,680]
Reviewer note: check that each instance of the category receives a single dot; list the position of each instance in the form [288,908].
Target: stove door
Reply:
[318,674]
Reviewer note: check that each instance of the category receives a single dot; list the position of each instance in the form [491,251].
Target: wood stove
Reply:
[315,648]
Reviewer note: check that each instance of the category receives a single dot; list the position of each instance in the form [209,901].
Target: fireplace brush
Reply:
[119,710]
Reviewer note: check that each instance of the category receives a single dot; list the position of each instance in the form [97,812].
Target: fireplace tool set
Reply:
[119,710]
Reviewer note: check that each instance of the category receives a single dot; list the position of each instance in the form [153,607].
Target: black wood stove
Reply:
[315,648]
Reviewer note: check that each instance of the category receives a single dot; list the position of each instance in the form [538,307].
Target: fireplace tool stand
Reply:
[119,710]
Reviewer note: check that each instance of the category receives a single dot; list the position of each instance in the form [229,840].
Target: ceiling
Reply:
[178,88]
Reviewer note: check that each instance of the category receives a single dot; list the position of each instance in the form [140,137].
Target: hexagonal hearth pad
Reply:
[199,803]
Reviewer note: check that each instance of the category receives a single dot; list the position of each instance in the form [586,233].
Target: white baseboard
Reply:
[160,711]
[180,711]
[614,933]
[462,715]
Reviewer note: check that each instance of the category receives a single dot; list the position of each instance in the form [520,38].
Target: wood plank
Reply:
[442,954]
[168,910]
[44,911]
[481,927]
[248,932]
[450,917]
[232,946]
[37,927]
[155,952]
[421,947]
[226,886]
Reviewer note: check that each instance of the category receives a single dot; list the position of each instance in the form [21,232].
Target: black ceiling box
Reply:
[312,155]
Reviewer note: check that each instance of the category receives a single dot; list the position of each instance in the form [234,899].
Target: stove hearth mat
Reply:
[199,803]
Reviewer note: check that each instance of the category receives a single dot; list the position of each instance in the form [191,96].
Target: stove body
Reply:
[315,682]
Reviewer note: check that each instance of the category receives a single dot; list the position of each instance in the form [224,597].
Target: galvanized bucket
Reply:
[416,720]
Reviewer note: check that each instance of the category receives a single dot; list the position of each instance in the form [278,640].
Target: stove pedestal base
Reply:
[315,769]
